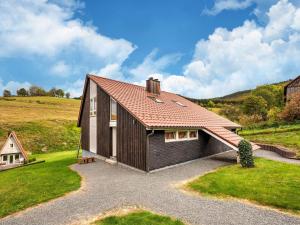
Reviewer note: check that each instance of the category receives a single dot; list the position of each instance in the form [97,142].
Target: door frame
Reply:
[114,142]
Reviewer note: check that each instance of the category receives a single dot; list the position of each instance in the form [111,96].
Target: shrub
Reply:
[231,112]
[250,120]
[291,111]
[245,152]
[255,105]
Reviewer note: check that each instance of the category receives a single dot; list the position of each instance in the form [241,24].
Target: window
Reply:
[11,145]
[193,134]
[113,110]
[17,156]
[5,158]
[179,103]
[93,106]
[182,134]
[170,135]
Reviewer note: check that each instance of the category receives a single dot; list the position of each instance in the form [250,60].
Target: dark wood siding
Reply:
[85,121]
[131,140]
[103,129]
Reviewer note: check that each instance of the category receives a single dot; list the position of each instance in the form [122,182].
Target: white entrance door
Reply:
[114,142]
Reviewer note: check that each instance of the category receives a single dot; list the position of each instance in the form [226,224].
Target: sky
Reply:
[199,49]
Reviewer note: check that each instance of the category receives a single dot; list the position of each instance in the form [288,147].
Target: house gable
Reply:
[13,146]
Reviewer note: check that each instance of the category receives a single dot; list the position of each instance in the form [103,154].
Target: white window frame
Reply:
[177,139]
[110,111]
[171,140]
[93,106]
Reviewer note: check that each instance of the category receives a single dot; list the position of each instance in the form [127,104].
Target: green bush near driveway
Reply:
[268,183]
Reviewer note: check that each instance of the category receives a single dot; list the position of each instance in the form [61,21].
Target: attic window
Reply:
[157,100]
[179,103]
[11,145]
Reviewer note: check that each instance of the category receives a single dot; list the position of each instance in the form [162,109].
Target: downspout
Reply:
[147,150]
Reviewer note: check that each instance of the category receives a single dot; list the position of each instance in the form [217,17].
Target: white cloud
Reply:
[153,65]
[13,86]
[61,69]
[39,27]
[249,55]
[221,5]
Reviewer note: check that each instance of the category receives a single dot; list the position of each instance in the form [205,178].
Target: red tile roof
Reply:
[168,114]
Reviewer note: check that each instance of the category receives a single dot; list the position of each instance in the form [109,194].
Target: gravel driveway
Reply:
[109,186]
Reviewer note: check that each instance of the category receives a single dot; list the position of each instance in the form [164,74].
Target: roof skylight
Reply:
[157,100]
[179,103]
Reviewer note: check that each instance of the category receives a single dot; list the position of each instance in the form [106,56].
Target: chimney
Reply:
[153,86]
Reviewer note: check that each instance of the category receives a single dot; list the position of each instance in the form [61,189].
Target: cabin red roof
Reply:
[173,111]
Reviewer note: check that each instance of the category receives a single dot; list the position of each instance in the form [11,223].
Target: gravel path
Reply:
[107,187]
[274,156]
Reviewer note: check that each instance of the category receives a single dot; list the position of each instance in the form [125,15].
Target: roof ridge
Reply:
[123,82]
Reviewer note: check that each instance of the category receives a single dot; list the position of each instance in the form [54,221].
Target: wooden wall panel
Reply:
[131,140]
[85,121]
[103,129]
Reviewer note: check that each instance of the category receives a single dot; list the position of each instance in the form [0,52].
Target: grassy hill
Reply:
[43,124]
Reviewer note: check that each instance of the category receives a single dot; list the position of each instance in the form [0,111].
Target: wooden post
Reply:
[238,158]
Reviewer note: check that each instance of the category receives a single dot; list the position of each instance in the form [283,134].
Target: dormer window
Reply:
[93,106]
[113,110]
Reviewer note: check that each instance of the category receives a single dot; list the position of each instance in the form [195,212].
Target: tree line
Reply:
[38,91]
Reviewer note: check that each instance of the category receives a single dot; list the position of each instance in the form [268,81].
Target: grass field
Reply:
[139,218]
[285,135]
[43,124]
[27,186]
[269,183]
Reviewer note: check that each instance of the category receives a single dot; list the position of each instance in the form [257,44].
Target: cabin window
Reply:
[93,106]
[17,157]
[170,136]
[11,145]
[113,110]
[182,134]
[193,134]
[5,158]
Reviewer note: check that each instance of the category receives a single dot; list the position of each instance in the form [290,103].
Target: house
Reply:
[147,128]
[12,152]
[291,88]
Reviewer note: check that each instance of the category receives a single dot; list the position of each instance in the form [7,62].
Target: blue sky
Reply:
[196,48]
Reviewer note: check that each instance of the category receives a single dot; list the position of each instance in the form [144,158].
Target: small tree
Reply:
[37,91]
[6,93]
[52,92]
[60,93]
[67,95]
[22,92]
[245,153]
[255,105]
[210,104]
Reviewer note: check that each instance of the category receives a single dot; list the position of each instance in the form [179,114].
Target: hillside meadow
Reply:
[43,124]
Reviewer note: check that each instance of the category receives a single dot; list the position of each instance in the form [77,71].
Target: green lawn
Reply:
[286,135]
[27,186]
[290,139]
[269,183]
[139,218]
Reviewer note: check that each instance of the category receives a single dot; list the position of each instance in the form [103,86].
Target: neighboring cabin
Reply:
[12,152]
[292,88]
[147,128]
